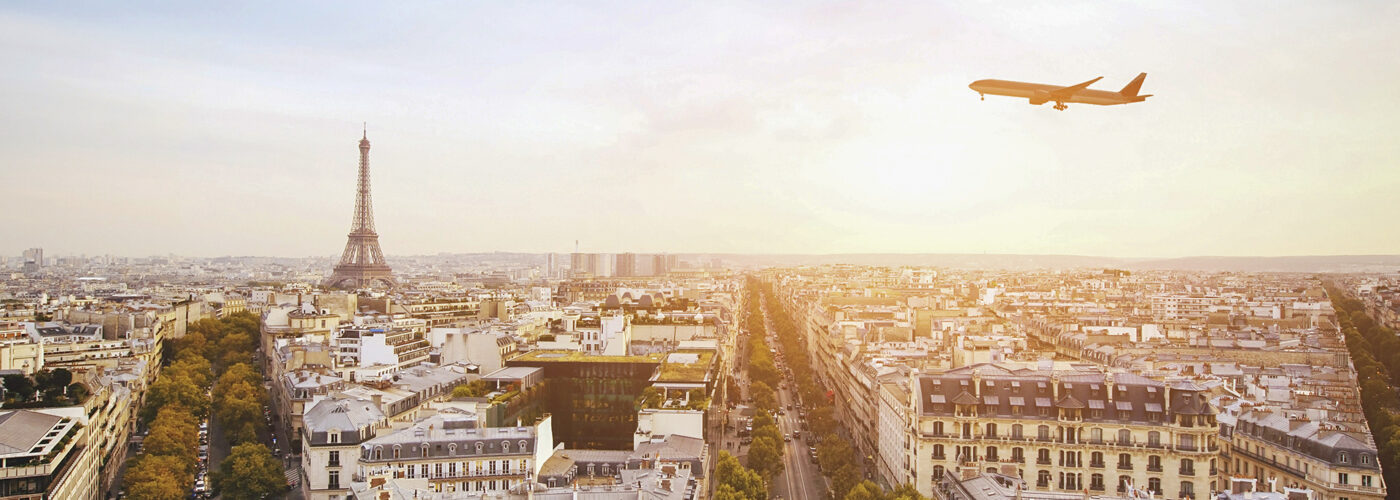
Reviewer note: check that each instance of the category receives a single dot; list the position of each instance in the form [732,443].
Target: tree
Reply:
[174,433]
[60,378]
[766,456]
[19,388]
[744,482]
[866,490]
[158,477]
[196,368]
[763,396]
[240,411]
[178,390]
[249,473]
[843,480]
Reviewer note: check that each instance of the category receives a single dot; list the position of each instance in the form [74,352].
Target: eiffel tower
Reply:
[362,264]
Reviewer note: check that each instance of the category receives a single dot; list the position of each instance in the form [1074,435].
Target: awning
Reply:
[1045,402]
[1154,407]
[1095,404]
[1123,405]
[991,400]
[1016,401]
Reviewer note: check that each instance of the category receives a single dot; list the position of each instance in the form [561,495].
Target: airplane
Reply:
[1040,93]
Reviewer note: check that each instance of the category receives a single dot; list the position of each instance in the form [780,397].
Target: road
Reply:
[800,478]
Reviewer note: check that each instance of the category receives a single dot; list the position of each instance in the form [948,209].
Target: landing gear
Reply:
[983,96]
[1060,106]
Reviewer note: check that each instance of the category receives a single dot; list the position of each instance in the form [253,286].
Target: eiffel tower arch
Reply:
[362,263]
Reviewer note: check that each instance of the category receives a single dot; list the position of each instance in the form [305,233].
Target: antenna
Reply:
[364,134]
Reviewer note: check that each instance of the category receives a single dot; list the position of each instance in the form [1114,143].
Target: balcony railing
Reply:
[1123,466]
[1187,472]
[1154,468]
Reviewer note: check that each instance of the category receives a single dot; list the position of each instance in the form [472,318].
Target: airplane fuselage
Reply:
[1039,93]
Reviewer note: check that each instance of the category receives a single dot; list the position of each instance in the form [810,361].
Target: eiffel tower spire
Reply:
[362,263]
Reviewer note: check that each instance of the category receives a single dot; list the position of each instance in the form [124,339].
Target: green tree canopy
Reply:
[249,473]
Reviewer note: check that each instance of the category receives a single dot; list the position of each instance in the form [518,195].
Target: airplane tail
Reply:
[1132,89]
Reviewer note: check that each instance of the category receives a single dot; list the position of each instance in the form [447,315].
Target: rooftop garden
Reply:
[45,389]
[697,371]
[561,356]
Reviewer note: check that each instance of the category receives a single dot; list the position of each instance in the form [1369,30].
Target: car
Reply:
[787,439]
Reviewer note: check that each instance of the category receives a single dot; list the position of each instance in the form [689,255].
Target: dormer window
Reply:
[333,437]
[1365,459]
[522,446]
[1343,458]
[452,449]
[479,446]
[423,448]
[378,452]
[505,446]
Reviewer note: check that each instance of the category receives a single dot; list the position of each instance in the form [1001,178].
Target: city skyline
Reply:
[797,129]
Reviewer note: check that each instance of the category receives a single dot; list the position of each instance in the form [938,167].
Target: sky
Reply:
[230,128]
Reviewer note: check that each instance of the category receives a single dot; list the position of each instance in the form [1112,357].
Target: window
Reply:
[1123,483]
[1096,482]
[991,430]
[938,428]
[522,446]
[1154,485]
[1343,458]
[1365,459]
[334,460]
[1125,461]
[1154,438]
[410,472]
[1096,459]
[1366,480]
[1042,480]
[505,446]
[452,469]
[333,480]
[1016,431]
[452,449]
[937,473]
[1188,467]
[396,451]
[1154,463]
[938,452]
[333,437]
[378,452]
[422,470]
[423,450]
[1043,457]
[437,470]
[1343,478]
[992,454]
[1018,455]
[1096,435]
[1042,433]
[1186,442]
[1188,489]
[479,445]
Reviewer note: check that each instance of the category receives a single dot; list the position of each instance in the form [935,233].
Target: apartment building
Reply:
[1302,453]
[1077,430]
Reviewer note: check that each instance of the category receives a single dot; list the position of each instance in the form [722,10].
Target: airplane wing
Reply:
[1066,92]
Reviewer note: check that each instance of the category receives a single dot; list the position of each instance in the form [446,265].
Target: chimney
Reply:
[378,400]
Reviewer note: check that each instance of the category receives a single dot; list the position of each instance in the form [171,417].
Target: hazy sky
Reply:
[207,128]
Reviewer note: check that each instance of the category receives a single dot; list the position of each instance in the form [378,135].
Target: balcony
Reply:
[1096,465]
[1042,461]
[1123,466]
[1187,472]
[1154,468]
